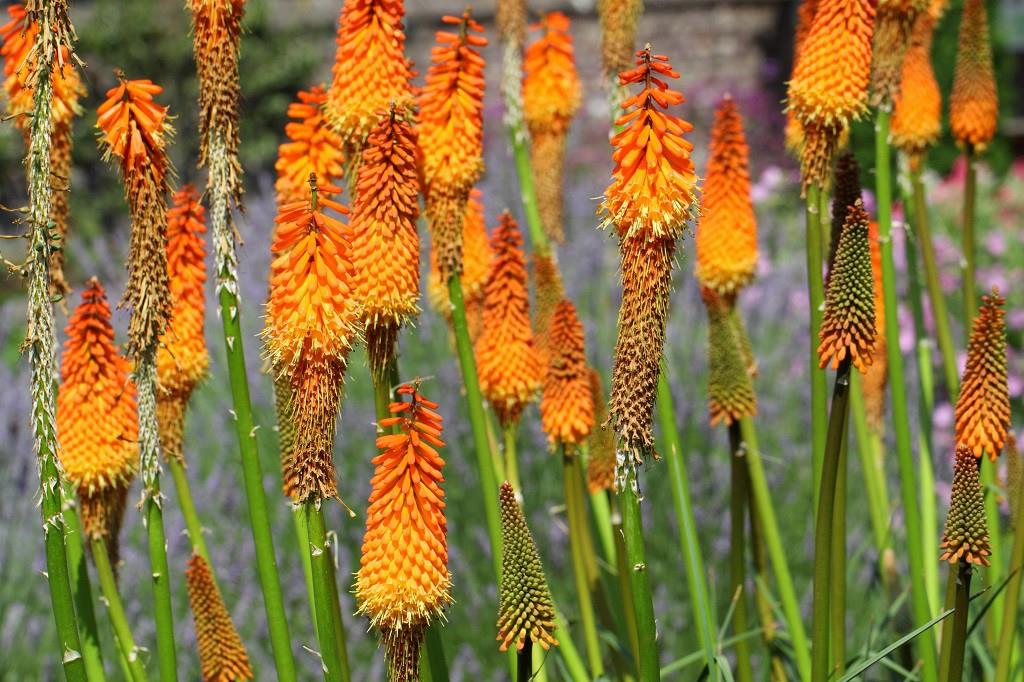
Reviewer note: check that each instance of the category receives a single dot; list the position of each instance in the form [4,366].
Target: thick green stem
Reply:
[115,610]
[954,659]
[970,250]
[302,536]
[689,543]
[163,611]
[762,598]
[252,474]
[577,518]
[624,575]
[333,657]
[602,520]
[81,587]
[872,466]
[511,462]
[994,574]
[738,495]
[567,650]
[1011,608]
[837,599]
[434,661]
[648,667]
[816,300]
[824,523]
[777,552]
[188,508]
[477,420]
[925,643]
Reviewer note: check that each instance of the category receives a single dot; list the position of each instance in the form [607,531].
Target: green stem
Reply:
[925,644]
[115,610]
[302,535]
[872,467]
[334,659]
[81,587]
[602,520]
[648,667]
[738,495]
[511,463]
[524,661]
[577,517]
[252,474]
[970,250]
[688,540]
[163,611]
[433,660]
[624,575]
[824,523]
[777,552]
[958,640]
[477,420]
[837,599]
[994,574]
[567,650]
[1011,609]
[946,636]
[816,299]
[762,598]
[188,508]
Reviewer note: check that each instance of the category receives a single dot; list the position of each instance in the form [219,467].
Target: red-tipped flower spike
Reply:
[567,405]
[507,361]
[403,581]
[974,104]
[983,407]
[726,241]
[312,147]
[451,135]
[312,321]
[370,70]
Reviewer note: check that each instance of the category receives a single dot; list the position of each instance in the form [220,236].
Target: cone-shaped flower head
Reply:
[874,380]
[476,264]
[601,458]
[370,68]
[403,580]
[312,147]
[966,534]
[567,405]
[973,104]
[829,87]
[653,189]
[452,135]
[893,26]
[726,241]
[548,292]
[618,34]
[917,110]
[730,388]
[216,30]
[507,360]
[983,407]
[96,416]
[794,131]
[846,192]
[848,326]
[312,322]
[551,96]
[385,243]
[134,130]
[222,655]
[525,607]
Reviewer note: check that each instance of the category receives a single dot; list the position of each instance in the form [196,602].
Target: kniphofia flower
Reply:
[182,359]
[451,135]
[730,389]
[567,404]
[966,535]
[983,406]
[370,70]
[403,581]
[312,323]
[385,243]
[917,110]
[548,291]
[525,607]
[312,147]
[134,130]
[794,131]
[846,192]
[893,26]
[507,361]
[974,104]
[726,240]
[551,96]
[601,458]
[96,418]
[875,376]
[222,655]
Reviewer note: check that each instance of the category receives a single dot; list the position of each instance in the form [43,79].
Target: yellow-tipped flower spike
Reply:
[312,323]
[403,581]
[848,325]
[451,135]
[974,104]
[893,26]
[601,455]
[312,147]
[222,655]
[507,360]
[983,406]
[917,110]
[551,96]
[618,34]
[385,243]
[525,607]
[567,404]
[96,417]
[726,240]
[730,389]
[370,70]
[966,535]
[829,87]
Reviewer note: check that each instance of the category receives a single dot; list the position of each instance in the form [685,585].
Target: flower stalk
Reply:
[115,610]
[738,496]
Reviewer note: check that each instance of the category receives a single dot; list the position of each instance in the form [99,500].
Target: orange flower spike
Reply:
[974,104]
[134,128]
[983,407]
[917,110]
[222,655]
[726,240]
[567,404]
[385,243]
[653,189]
[873,382]
[794,131]
[507,360]
[312,147]
[403,581]
[551,86]
[370,68]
